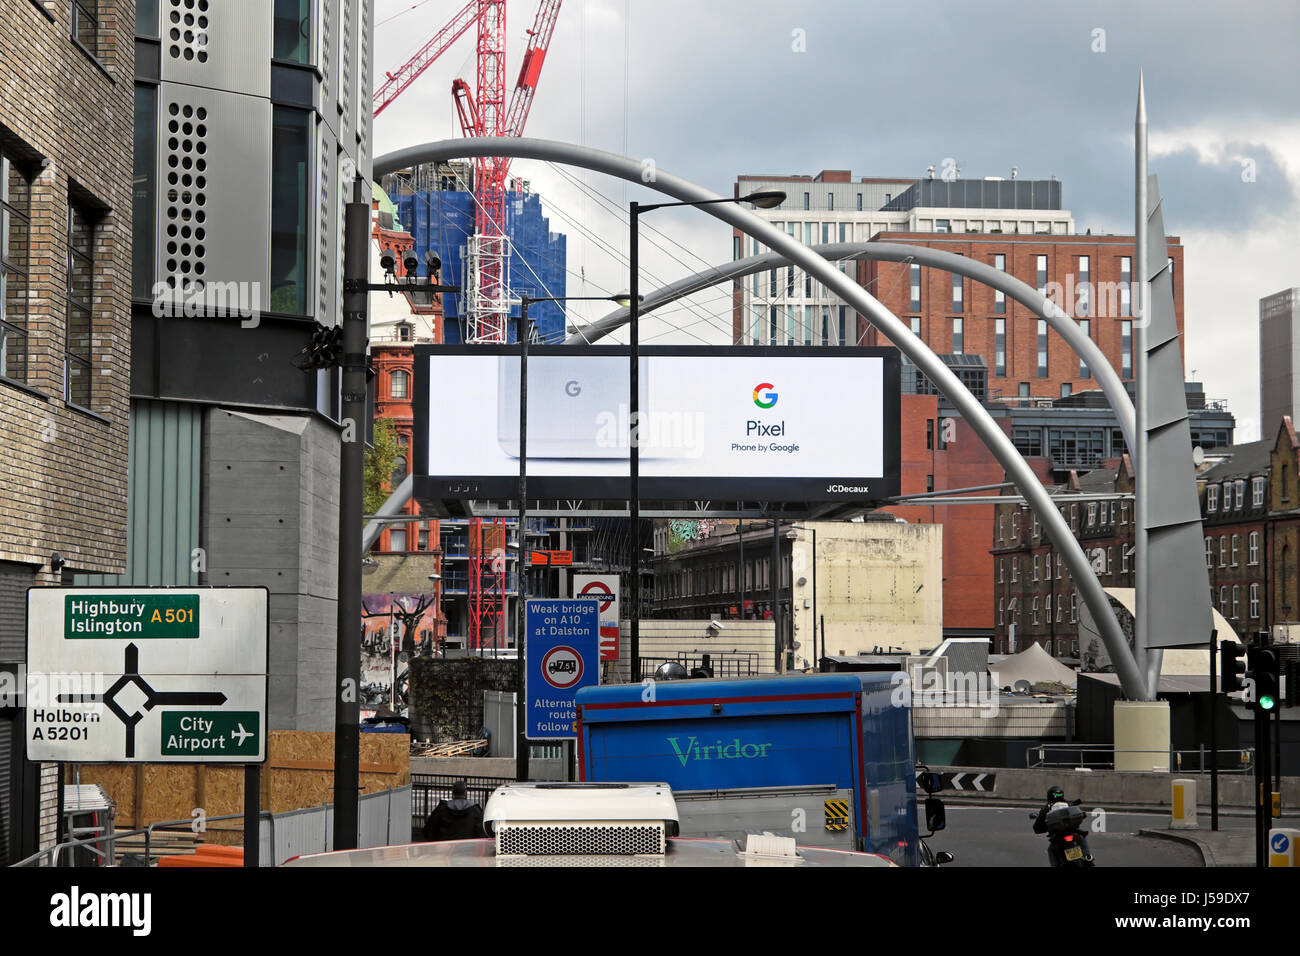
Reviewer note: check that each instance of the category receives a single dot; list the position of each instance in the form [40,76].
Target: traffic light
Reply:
[1264,672]
[1232,666]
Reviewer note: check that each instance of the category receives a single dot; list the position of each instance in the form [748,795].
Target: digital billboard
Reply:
[793,424]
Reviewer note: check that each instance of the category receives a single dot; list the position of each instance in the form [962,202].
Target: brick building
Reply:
[65,336]
[1249,496]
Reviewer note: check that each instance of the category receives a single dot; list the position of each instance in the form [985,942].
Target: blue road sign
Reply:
[563,655]
[1280,843]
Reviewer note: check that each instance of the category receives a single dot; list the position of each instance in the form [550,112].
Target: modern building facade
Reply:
[1279,356]
[252,129]
[65,339]
[787,307]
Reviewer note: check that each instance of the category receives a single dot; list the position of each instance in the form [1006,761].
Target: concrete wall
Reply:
[270,517]
[879,583]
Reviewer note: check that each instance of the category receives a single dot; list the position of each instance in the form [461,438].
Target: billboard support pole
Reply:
[775,594]
[634,439]
[1132,679]
[521,565]
[252,813]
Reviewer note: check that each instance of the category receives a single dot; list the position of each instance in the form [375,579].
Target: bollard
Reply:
[1282,846]
[1184,800]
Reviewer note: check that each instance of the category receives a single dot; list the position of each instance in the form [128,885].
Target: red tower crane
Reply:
[484,304]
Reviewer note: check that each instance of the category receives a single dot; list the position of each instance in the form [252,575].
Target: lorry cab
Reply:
[824,758]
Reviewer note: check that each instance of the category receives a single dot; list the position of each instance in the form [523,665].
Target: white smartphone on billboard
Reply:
[577,405]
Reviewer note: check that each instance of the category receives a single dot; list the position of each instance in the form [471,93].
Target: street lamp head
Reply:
[766,199]
[624,298]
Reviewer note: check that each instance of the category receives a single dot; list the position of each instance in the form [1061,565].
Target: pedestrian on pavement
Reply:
[454,819]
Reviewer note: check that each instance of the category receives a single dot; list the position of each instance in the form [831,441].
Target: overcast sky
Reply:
[710,89]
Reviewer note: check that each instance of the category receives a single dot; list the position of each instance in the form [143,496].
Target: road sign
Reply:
[968,781]
[148,675]
[561,655]
[604,588]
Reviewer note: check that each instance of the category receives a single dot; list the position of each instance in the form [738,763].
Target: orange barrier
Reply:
[206,854]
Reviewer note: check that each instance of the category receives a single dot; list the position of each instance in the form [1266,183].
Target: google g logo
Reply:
[764,397]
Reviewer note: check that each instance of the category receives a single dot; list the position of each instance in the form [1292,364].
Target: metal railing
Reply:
[428,788]
[1102,757]
[109,853]
[742,664]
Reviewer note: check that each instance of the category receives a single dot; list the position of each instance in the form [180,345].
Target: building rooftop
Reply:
[1251,458]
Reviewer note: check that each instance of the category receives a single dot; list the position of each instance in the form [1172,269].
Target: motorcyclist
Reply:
[1056,795]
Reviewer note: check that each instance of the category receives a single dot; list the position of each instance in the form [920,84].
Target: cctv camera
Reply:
[411,264]
[432,261]
[388,261]
[716,625]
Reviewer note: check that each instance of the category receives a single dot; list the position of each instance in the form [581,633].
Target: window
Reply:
[1036,565]
[1001,612]
[85,24]
[1256,492]
[291,173]
[790,321]
[1123,559]
[771,282]
[1015,526]
[1110,559]
[1066,389]
[1209,552]
[1060,603]
[15,232]
[291,36]
[142,191]
[1074,607]
[1042,348]
[807,325]
[735,247]
[1240,487]
[1223,600]
[929,434]
[1085,326]
[146,18]
[999,297]
[404,333]
[826,326]
[859,202]
[1002,568]
[957,337]
[1126,349]
[915,322]
[1223,551]
[81,293]
[942,225]
[1083,293]
[1236,541]
[806,201]
[400,385]
[929,482]
[1253,544]
[399,471]
[1000,347]
[1035,609]
[956,293]
[1236,601]
[1022,390]
[1211,498]
[844,326]
[1015,570]
[1125,286]
[1254,602]
[1047,607]
[1002,527]
[397,540]
[1042,274]
[915,274]
[1092,514]
[772,324]
[1060,564]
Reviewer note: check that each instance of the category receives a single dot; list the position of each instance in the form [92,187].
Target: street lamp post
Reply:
[763,200]
[524,333]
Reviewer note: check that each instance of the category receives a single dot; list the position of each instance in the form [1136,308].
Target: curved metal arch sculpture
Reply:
[1111,384]
[1131,678]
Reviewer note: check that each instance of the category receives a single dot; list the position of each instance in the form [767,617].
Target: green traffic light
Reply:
[1266,702]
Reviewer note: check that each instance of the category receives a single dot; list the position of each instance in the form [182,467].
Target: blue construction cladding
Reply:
[443,221]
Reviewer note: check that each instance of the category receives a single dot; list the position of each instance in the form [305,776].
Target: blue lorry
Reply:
[824,758]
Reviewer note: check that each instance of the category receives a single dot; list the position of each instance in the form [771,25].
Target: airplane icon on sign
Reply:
[241,734]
